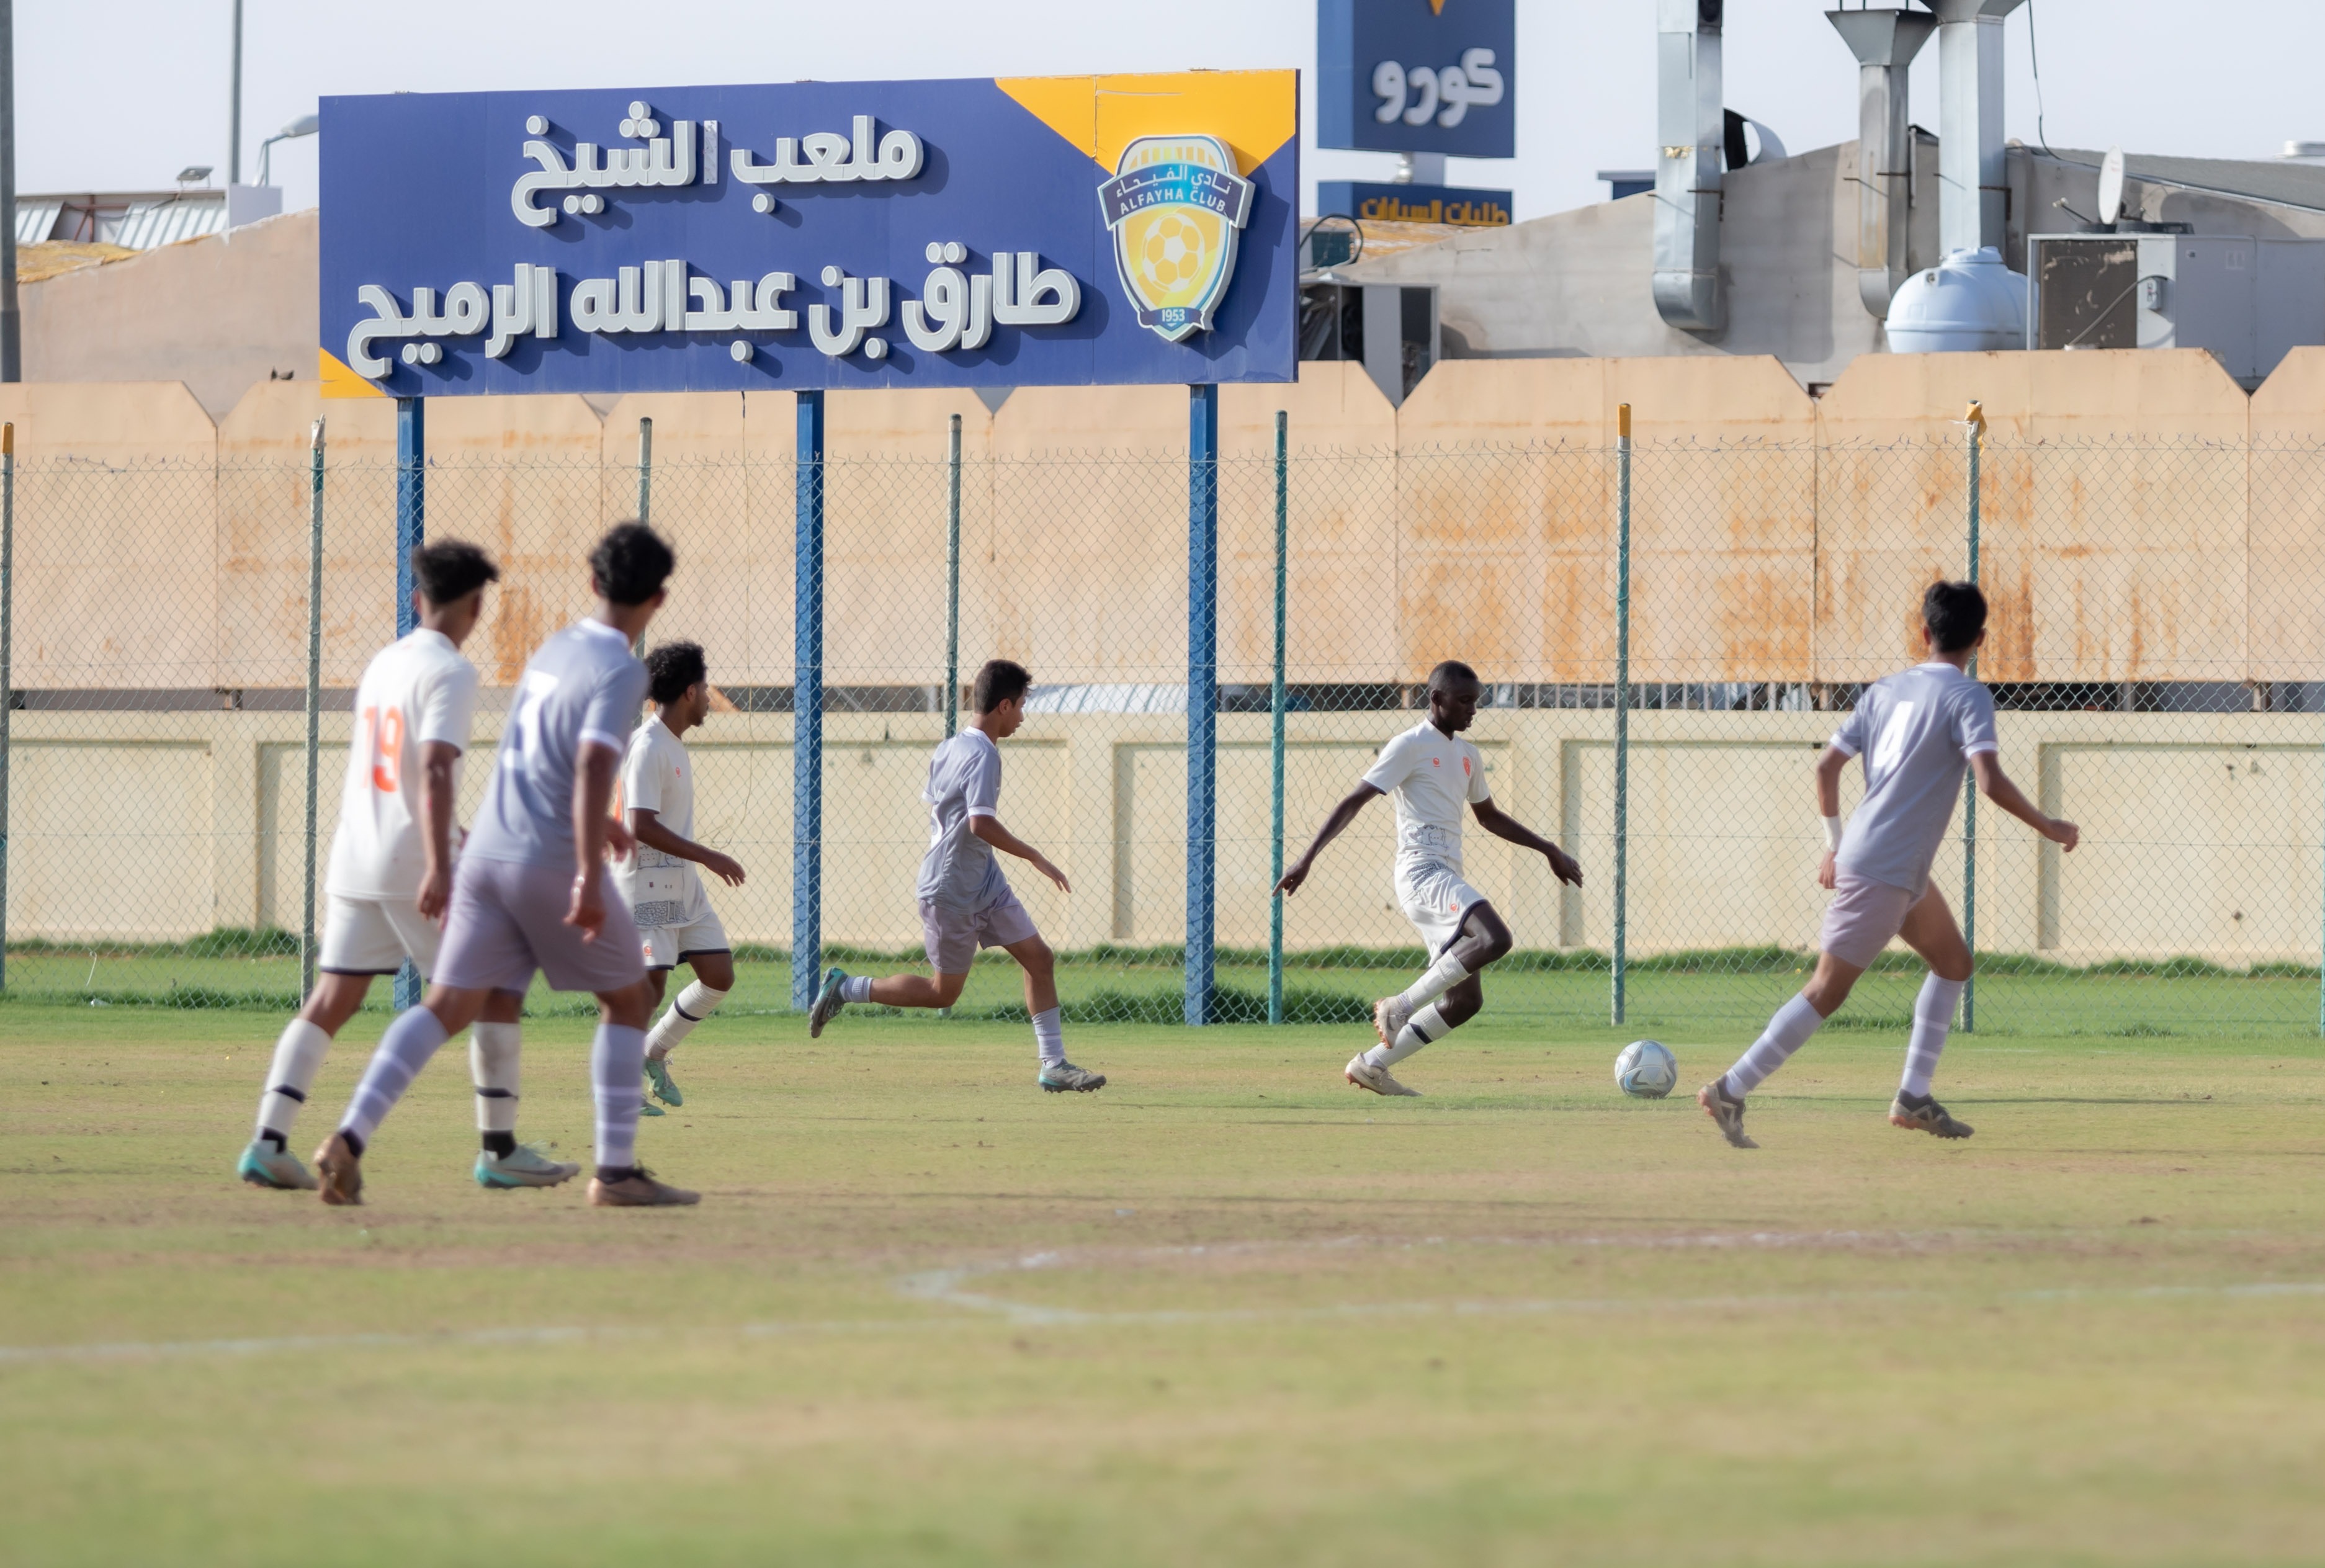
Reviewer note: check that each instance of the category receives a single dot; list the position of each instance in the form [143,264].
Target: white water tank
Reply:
[1968,302]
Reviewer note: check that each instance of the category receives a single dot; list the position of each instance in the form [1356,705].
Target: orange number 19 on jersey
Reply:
[384,732]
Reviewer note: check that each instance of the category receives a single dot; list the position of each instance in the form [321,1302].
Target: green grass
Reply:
[1227,1311]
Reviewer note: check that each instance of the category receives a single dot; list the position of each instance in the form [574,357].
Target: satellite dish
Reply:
[2111,187]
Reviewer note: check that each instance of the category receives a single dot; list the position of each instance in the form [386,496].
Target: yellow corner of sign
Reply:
[1254,112]
[338,381]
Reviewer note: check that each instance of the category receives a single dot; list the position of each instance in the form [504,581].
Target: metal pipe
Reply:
[1275,742]
[952,579]
[234,115]
[314,702]
[645,501]
[7,652]
[1202,693]
[1973,184]
[1884,43]
[1622,700]
[1975,419]
[11,324]
[411,534]
[806,702]
[1691,131]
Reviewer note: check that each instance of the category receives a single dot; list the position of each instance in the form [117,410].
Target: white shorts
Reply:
[374,936]
[1436,900]
[667,946]
[1863,918]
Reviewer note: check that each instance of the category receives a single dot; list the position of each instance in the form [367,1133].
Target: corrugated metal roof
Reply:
[137,220]
[2285,183]
[150,225]
[35,217]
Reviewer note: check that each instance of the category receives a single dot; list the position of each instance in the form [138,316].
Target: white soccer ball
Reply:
[1646,1070]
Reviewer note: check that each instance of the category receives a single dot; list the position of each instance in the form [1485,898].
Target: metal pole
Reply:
[314,700]
[411,534]
[807,706]
[645,502]
[1977,420]
[1202,692]
[953,582]
[234,116]
[1276,746]
[1622,699]
[8,648]
[12,336]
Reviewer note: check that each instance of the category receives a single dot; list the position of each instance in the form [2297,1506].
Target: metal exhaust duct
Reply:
[1884,43]
[1692,131]
[1972,180]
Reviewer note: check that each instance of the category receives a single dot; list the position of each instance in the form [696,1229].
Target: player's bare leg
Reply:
[1057,1075]
[1931,930]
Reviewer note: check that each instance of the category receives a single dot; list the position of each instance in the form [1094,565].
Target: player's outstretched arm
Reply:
[647,827]
[990,830]
[1504,826]
[1334,826]
[1995,786]
[435,760]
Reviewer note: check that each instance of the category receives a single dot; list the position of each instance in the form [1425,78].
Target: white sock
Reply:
[1933,1017]
[1435,980]
[617,1067]
[1048,1038]
[1427,1024]
[1787,1032]
[494,1056]
[298,1057]
[410,1041]
[694,1004]
[856,988]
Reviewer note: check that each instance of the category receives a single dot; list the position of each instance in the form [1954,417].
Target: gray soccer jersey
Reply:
[583,685]
[959,872]
[1916,731]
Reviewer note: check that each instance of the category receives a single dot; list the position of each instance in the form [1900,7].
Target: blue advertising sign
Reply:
[1418,76]
[1373,202]
[995,232]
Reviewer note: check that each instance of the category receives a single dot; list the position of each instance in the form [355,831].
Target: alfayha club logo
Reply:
[1175,204]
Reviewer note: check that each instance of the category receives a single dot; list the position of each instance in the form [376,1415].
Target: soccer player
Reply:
[1917,732]
[676,924]
[391,874]
[965,902]
[531,892]
[1430,770]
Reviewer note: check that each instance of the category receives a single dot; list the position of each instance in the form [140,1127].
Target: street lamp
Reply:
[304,125]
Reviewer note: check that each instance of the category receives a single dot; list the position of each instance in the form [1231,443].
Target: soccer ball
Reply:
[1172,256]
[1646,1070]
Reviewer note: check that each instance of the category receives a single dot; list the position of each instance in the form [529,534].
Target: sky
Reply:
[116,95]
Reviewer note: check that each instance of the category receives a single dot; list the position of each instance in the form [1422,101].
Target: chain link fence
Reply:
[1667,634]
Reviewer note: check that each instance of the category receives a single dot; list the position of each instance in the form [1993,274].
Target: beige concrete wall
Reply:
[160,826]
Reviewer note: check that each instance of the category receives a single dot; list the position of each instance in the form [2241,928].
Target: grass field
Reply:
[1228,1311]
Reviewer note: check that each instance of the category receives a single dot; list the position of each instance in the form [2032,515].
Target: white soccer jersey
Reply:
[1430,775]
[657,776]
[414,690]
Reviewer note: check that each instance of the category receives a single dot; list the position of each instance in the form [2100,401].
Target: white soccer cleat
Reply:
[1390,1016]
[1365,1075]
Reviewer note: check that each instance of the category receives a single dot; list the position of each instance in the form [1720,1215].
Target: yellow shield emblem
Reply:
[1175,204]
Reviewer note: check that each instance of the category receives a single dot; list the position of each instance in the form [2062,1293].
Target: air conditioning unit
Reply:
[2247,300]
[1392,327]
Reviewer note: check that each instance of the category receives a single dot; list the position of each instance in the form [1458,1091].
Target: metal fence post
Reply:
[952,580]
[645,472]
[807,705]
[1202,692]
[1622,700]
[314,700]
[1975,419]
[1276,741]
[8,661]
[411,534]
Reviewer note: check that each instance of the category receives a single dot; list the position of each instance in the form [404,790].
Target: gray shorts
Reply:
[953,936]
[1864,916]
[508,920]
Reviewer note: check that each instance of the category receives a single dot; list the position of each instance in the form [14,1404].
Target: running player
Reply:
[965,902]
[676,924]
[1917,732]
[531,892]
[1430,770]
[391,874]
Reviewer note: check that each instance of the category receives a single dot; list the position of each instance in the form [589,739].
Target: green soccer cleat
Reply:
[665,1087]
[525,1166]
[648,1108]
[264,1165]
[828,1003]
[1064,1077]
